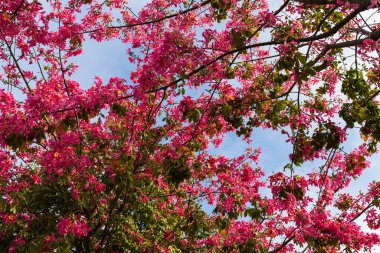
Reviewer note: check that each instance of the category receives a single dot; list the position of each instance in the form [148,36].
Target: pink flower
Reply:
[77,227]
[36,179]
[19,241]
[75,194]
[64,226]
[247,174]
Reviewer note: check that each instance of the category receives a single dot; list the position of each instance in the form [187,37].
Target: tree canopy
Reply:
[126,165]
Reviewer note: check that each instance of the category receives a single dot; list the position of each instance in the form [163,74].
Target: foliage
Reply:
[125,165]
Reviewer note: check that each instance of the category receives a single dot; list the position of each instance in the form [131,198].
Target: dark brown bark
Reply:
[375,35]
[324,2]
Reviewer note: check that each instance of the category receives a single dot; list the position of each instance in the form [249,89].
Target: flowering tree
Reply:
[125,166]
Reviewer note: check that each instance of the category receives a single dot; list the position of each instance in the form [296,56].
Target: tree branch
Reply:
[324,2]
[153,21]
[331,32]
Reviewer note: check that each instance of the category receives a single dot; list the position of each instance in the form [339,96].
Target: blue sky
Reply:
[107,59]
[110,58]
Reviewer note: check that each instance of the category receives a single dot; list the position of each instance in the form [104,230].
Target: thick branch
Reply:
[324,2]
[373,36]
